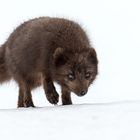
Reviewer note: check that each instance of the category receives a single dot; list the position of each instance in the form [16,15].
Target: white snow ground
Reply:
[108,121]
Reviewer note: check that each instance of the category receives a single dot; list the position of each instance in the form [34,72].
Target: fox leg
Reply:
[25,97]
[20,98]
[50,91]
[66,97]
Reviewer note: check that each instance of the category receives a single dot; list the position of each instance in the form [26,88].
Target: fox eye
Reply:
[87,75]
[71,77]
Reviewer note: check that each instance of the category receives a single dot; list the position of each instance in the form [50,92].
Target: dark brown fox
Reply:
[44,50]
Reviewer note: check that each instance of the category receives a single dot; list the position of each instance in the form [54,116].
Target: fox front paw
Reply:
[53,98]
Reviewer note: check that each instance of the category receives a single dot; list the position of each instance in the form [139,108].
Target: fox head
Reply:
[75,71]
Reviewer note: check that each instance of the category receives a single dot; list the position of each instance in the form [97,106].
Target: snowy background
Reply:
[111,109]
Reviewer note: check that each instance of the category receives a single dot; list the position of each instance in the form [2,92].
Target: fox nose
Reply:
[83,92]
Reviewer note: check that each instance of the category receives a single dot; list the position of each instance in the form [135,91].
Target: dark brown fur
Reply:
[44,50]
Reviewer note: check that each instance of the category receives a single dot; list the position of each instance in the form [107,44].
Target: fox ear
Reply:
[59,57]
[92,56]
[58,52]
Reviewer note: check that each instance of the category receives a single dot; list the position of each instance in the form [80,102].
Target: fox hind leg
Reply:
[25,97]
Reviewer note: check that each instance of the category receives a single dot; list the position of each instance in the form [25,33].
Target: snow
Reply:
[111,109]
[117,121]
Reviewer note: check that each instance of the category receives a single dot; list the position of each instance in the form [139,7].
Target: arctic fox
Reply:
[46,50]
